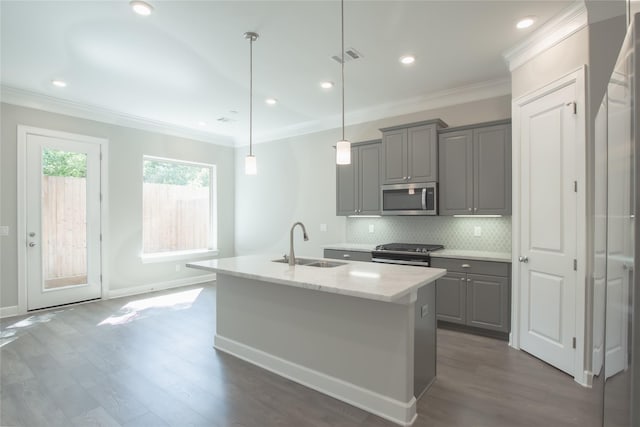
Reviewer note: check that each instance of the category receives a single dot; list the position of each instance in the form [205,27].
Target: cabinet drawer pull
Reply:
[462,279]
[468,280]
[346,256]
[466,266]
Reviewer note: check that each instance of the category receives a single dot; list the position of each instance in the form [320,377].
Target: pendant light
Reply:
[250,165]
[343,147]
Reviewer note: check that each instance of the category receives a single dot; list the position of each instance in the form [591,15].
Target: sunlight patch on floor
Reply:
[146,307]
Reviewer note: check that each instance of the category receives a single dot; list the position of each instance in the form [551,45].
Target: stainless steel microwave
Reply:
[410,199]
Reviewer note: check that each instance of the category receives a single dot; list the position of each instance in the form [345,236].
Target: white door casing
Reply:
[34,291]
[550,224]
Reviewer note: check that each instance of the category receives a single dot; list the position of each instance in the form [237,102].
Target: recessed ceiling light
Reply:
[59,83]
[271,101]
[407,59]
[326,85]
[525,22]
[141,7]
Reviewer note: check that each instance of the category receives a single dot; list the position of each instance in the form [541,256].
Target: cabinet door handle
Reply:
[468,280]
[469,209]
[523,259]
[346,256]
[408,177]
[462,279]
[466,266]
[475,209]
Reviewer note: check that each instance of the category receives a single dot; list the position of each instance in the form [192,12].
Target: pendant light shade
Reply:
[343,153]
[250,163]
[343,147]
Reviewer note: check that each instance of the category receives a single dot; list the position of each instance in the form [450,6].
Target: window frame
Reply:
[189,254]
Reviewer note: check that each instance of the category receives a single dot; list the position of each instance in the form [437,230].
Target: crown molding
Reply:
[441,99]
[560,27]
[445,98]
[29,99]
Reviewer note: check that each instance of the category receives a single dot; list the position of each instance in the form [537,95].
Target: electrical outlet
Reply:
[424,310]
[323,227]
[371,228]
[477,231]
[4,230]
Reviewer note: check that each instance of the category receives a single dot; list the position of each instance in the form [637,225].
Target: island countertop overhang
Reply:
[374,281]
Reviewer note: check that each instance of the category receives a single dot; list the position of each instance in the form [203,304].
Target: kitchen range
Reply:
[405,253]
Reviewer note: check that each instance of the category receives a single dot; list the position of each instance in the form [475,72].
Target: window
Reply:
[178,207]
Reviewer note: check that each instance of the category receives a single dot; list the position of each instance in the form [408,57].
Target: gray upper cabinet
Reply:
[358,184]
[411,152]
[456,173]
[475,169]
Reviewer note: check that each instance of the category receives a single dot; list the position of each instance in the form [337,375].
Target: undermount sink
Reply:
[312,262]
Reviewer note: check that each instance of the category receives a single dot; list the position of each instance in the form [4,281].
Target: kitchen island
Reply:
[361,332]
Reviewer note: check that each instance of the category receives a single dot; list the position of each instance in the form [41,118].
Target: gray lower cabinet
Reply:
[474,293]
[347,255]
[475,169]
[358,184]
[410,152]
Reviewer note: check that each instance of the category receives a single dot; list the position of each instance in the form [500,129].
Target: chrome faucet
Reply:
[292,256]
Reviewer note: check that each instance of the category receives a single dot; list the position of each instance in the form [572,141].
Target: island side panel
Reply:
[367,343]
[425,339]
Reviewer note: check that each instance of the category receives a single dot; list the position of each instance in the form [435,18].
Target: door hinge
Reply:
[100,197]
[101,282]
[101,237]
[100,156]
[575,264]
[574,106]
[574,342]
[575,186]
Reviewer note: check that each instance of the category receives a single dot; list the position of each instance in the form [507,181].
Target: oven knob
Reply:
[424,250]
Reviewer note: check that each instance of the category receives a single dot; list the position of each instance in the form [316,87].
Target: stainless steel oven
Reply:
[404,253]
[410,199]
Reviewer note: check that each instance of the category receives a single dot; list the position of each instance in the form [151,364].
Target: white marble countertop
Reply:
[358,247]
[472,255]
[381,282]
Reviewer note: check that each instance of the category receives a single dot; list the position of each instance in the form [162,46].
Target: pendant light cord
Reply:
[342,61]
[251,95]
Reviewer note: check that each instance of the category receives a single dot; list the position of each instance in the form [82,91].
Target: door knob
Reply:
[523,259]
[31,244]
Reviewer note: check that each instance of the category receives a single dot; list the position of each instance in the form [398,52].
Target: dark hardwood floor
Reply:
[148,360]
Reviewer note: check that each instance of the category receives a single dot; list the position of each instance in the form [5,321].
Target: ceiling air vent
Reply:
[349,55]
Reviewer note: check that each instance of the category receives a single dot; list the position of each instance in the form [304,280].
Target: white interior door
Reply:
[619,228]
[63,221]
[547,226]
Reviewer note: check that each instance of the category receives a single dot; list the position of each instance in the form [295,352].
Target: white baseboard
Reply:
[402,413]
[585,380]
[135,290]
[8,311]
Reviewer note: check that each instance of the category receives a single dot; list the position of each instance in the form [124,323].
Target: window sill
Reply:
[178,256]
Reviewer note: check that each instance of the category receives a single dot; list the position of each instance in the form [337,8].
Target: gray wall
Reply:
[126,148]
[551,64]
[296,181]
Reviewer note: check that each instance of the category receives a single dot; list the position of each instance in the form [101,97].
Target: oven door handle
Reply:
[424,199]
[397,261]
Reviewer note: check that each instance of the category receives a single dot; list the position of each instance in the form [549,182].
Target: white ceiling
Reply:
[189,62]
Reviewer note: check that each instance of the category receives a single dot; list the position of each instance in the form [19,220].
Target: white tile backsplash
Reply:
[453,233]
